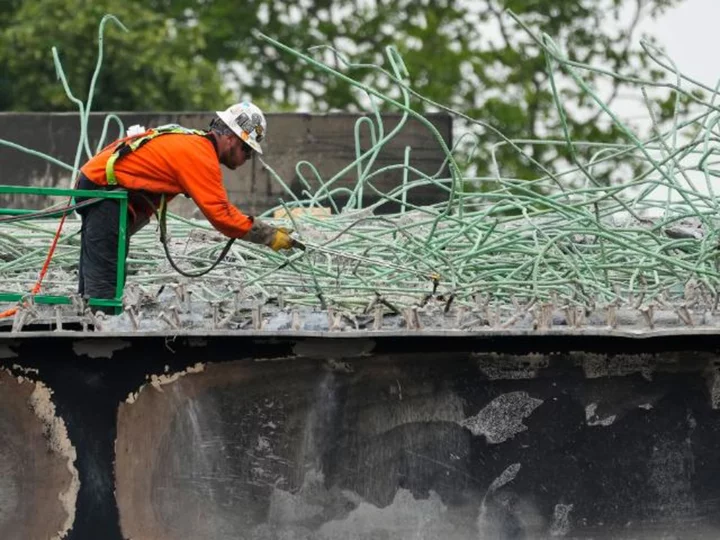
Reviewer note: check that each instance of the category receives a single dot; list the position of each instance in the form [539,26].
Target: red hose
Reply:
[36,288]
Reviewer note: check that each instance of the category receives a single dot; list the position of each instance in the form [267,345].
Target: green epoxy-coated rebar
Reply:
[560,236]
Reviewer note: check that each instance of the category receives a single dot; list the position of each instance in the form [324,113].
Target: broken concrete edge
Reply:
[59,441]
[57,438]
[26,370]
[365,334]
[158,381]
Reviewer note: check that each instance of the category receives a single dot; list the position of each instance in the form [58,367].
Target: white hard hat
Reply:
[247,121]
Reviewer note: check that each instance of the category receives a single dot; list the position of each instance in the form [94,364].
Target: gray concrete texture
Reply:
[326,141]
[277,438]
[36,478]
[401,449]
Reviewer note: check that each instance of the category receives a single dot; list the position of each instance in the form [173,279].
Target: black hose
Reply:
[162,220]
[49,212]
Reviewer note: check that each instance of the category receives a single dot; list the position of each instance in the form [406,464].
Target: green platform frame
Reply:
[119,195]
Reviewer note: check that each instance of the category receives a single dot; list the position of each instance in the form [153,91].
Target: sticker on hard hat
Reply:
[249,124]
[243,120]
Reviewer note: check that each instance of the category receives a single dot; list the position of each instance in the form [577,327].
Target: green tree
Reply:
[466,54]
[155,66]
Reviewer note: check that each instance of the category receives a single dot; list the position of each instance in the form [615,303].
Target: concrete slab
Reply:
[38,483]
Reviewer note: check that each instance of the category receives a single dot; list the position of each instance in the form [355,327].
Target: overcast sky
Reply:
[690,36]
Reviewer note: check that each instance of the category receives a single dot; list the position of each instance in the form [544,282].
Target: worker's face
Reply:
[237,153]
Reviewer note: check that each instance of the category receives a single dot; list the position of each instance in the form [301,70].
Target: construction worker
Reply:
[166,162]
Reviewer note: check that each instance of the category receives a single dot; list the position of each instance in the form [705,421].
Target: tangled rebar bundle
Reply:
[516,252]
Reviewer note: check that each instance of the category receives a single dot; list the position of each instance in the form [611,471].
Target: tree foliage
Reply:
[466,54]
[462,53]
[154,66]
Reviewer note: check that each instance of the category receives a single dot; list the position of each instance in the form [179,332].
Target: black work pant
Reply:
[97,272]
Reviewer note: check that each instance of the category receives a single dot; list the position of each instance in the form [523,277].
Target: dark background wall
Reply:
[392,436]
[326,141]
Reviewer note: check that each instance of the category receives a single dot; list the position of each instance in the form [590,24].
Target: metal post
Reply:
[122,247]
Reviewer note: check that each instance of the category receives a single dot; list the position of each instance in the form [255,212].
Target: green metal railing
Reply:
[119,195]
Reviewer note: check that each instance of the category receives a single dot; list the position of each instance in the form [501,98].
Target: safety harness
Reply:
[131,145]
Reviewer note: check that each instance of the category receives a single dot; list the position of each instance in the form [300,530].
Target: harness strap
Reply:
[130,145]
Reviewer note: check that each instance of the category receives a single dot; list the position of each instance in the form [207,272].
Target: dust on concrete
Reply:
[600,365]
[318,513]
[497,366]
[672,473]
[59,442]
[561,520]
[308,503]
[592,418]
[501,505]
[405,518]
[507,476]
[713,383]
[502,418]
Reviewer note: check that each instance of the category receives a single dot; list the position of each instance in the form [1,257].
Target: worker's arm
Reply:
[200,177]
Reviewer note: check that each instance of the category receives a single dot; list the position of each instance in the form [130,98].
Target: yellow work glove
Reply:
[281,240]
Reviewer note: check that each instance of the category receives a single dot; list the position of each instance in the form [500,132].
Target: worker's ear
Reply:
[225,142]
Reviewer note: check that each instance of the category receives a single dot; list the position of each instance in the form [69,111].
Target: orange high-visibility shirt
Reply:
[173,164]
